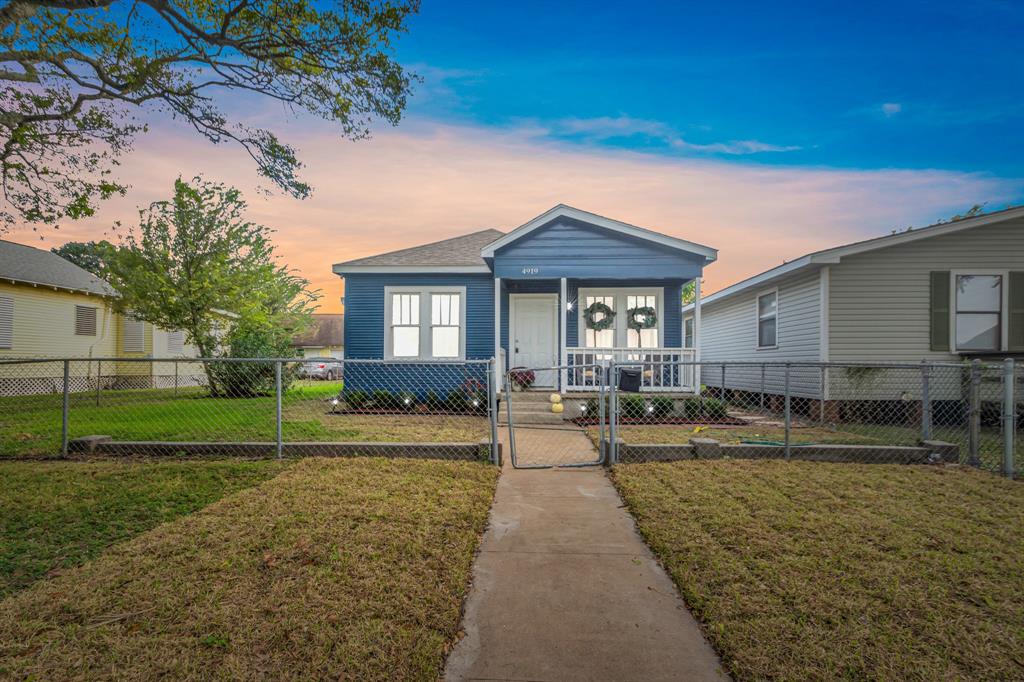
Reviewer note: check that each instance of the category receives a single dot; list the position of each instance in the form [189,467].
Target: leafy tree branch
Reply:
[77,76]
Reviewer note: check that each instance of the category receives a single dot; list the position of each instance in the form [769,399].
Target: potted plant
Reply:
[521,378]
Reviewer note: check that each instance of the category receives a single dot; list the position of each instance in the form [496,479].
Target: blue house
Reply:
[562,293]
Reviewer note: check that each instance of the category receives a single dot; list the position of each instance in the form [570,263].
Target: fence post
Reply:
[762,384]
[613,407]
[99,378]
[175,377]
[64,411]
[722,394]
[277,391]
[974,415]
[821,396]
[1009,416]
[788,416]
[926,401]
[492,410]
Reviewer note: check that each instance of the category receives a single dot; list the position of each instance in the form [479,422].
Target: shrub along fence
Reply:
[247,406]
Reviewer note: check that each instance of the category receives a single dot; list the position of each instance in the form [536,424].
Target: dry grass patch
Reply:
[56,515]
[809,571]
[340,569]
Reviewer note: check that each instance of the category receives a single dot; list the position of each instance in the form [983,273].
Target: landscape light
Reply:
[407,400]
[334,401]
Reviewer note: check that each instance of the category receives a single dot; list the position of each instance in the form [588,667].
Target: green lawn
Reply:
[351,569]
[31,425]
[807,571]
[57,515]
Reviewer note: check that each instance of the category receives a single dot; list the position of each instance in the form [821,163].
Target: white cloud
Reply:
[890,109]
[602,128]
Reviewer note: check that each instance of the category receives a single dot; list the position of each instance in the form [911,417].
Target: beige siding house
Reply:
[946,293]
[51,308]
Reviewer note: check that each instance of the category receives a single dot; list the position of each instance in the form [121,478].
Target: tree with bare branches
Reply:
[78,78]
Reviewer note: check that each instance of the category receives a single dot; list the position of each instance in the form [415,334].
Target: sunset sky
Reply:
[763,132]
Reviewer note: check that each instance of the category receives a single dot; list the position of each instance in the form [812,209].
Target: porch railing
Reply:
[661,368]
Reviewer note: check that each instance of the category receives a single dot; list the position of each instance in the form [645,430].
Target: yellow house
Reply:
[51,308]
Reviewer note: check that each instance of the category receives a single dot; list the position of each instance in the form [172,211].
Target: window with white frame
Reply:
[768,320]
[979,312]
[620,335]
[599,338]
[688,332]
[425,322]
[444,325]
[642,338]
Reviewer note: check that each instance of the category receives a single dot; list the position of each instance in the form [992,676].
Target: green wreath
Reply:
[648,318]
[595,308]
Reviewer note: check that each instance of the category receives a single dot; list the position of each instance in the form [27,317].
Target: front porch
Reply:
[552,323]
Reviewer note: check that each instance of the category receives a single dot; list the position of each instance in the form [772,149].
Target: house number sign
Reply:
[531,271]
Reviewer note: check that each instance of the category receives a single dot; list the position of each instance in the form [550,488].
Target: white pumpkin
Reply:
[557,407]
[555,398]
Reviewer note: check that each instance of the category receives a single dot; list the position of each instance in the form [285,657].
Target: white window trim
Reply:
[426,337]
[685,318]
[620,294]
[757,318]
[1004,308]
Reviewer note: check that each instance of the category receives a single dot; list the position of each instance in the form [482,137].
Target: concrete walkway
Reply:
[565,589]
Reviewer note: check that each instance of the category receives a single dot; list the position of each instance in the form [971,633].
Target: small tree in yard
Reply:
[194,264]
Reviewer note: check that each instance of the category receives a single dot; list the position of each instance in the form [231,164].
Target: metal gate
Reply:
[544,436]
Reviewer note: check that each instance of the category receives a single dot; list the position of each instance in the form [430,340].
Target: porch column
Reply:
[696,334]
[563,303]
[497,323]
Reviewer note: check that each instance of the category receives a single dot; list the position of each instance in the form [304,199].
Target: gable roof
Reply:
[564,211]
[837,253]
[458,254]
[29,265]
[328,329]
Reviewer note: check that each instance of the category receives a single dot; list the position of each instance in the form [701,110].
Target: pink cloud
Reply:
[424,182]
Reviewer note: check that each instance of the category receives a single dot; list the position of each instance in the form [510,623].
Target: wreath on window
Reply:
[598,308]
[641,317]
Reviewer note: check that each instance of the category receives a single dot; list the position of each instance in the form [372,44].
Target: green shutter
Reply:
[940,310]
[1015,321]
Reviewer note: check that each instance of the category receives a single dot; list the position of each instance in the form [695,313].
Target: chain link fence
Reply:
[968,413]
[248,407]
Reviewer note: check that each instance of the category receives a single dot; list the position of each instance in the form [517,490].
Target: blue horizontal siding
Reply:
[568,248]
[364,311]
[364,333]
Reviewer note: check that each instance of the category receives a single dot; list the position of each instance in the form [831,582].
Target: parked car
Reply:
[328,369]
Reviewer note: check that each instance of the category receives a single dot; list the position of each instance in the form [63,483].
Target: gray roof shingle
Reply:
[457,251]
[34,266]
[328,329]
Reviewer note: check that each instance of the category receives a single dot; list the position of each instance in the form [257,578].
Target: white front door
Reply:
[534,334]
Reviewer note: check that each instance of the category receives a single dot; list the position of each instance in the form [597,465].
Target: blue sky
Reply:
[766,130]
[899,84]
